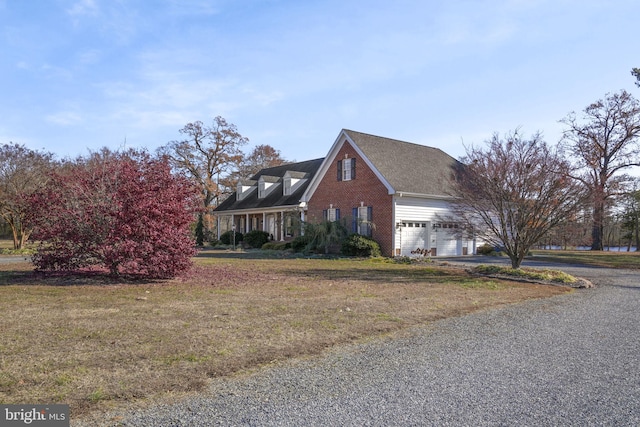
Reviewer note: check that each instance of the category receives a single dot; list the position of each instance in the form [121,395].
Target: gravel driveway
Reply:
[568,360]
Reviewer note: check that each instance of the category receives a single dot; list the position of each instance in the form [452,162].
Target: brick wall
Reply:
[346,195]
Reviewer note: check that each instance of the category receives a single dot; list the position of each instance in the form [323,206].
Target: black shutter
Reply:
[337,214]
[353,168]
[339,170]
[354,220]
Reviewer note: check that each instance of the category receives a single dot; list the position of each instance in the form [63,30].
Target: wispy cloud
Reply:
[83,8]
[193,7]
[64,118]
[115,20]
[88,57]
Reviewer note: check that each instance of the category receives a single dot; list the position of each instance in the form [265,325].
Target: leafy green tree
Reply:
[631,218]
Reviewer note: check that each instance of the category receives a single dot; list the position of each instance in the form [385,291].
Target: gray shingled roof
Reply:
[275,198]
[408,167]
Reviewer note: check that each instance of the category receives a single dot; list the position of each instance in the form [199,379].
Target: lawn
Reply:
[594,258]
[97,343]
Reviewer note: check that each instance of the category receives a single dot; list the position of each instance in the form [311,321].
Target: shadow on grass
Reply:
[68,278]
[388,276]
[257,254]
[229,254]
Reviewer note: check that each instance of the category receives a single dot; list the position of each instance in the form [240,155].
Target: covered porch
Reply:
[281,224]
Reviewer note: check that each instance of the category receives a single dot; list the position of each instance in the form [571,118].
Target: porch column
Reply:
[264,221]
[282,226]
[246,224]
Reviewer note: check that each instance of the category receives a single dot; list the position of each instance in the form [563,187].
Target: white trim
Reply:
[288,208]
[424,196]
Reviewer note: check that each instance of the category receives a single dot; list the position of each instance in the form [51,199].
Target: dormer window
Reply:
[346,169]
[244,187]
[291,181]
[266,184]
[286,189]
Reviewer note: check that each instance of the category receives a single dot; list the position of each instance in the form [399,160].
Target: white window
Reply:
[346,170]
[331,214]
[286,189]
[363,220]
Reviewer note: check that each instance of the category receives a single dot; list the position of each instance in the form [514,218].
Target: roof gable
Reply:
[402,167]
[408,167]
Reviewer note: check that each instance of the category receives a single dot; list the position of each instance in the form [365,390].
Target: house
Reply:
[269,201]
[396,192]
[403,189]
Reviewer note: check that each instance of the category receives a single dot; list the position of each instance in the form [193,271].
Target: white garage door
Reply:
[418,237]
[447,243]
[415,237]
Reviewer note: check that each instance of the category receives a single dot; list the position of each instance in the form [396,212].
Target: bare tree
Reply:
[262,157]
[514,191]
[605,143]
[206,154]
[22,172]
[635,72]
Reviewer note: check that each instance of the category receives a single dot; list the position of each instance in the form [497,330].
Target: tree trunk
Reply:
[598,226]
[516,260]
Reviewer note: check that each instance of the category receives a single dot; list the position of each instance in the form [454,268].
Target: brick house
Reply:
[402,189]
[393,191]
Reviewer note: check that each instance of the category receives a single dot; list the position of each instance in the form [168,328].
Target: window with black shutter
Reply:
[346,169]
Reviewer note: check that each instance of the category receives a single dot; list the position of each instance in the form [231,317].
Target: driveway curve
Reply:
[568,360]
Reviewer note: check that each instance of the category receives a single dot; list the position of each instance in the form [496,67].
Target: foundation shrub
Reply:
[256,238]
[361,246]
[226,238]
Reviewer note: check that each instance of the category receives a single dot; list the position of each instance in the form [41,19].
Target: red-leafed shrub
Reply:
[125,212]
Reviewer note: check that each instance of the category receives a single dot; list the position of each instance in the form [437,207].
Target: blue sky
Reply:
[77,75]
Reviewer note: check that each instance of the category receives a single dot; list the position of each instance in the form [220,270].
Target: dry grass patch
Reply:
[95,343]
[595,258]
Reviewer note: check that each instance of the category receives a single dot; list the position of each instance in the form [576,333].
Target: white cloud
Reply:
[193,7]
[64,118]
[84,8]
[89,57]
[55,72]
